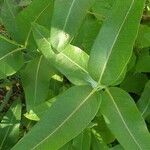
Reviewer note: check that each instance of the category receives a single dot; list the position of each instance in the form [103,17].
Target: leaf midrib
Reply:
[63,123]
[111,49]
[10,41]
[10,53]
[64,54]
[68,15]
[122,119]
[61,53]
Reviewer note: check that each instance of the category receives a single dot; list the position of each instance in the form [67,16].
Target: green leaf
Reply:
[113,46]
[124,119]
[9,126]
[11,58]
[38,11]
[35,79]
[144,102]
[67,18]
[8,14]
[72,62]
[60,125]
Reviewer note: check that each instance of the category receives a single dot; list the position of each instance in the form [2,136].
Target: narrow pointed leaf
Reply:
[72,62]
[113,46]
[124,119]
[9,126]
[35,78]
[67,18]
[60,125]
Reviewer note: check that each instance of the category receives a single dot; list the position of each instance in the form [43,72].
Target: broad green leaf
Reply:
[35,79]
[134,82]
[11,58]
[61,122]
[72,62]
[124,119]
[82,141]
[38,11]
[113,46]
[8,14]
[9,126]
[67,18]
[144,102]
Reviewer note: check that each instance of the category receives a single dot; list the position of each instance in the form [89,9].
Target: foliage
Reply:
[74,74]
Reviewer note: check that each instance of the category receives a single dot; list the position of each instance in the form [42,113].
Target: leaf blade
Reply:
[63,119]
[122,106]
[68,62]
[35,79]
[66,25]
[108,50]
[9,12]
